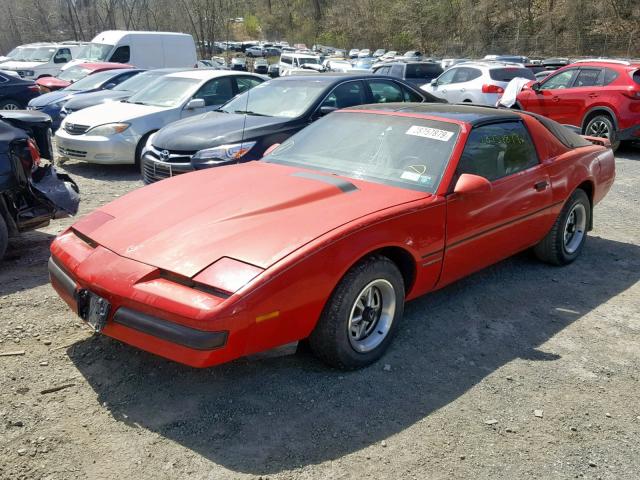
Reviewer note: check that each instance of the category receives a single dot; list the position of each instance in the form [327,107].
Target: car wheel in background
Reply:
[362,315]
[565,240]
[602,126]
[10,104]
[4,237]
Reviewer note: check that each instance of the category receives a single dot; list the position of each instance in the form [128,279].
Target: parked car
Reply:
[52,103]
[73,74]
[32,192]
[353,53]
[272,52]
[449,62]
[600,97]
[296,62]
[362,65]
[274,70]
[261,66]
[365,52]
[255,51]
[389,56]
[378,53]
[141,49]
[334,65]
[275,110]
[482,83]
[416,73]
[508,58]
[403,200]
[118,93]
[412,55]
[556,62]
[117,132]
[43,61]
[16,92]
[239,63]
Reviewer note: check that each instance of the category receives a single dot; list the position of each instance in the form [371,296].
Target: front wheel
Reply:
[10,104]
[565,240]
[362,315]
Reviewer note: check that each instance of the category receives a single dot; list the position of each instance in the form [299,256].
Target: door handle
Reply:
[593,95]
[541,185]
[462,90]
[555,99]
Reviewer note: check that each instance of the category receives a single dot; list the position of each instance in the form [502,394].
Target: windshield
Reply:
[75,73]
[166,92]
[405,152]
[39,54]
[509,73]
[138,82]
[91,82]
[13,53]
[96,51]
[288,98]
[364,63]
[312,61]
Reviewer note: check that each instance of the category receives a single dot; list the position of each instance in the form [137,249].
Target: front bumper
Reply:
[114,149]
[147,311]
[154,169]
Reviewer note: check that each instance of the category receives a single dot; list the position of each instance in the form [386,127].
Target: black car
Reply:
[15,92]
[267,114]
[416,73]
[32,192]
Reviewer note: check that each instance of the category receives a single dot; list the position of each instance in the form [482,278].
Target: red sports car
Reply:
[328,236]
[75,73]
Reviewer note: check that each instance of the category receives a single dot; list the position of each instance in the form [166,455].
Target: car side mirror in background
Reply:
[109,86]
[194,103]
[535,87]
[325,110]
[59,59]
[270,149]
[434,82]
[469,184]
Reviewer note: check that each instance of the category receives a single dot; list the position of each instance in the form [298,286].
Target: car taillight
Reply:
[33,88]
[35,152]
[631,92]
[488,88]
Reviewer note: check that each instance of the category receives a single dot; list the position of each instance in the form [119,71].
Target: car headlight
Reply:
[227,275]
[108,129]
[225,152]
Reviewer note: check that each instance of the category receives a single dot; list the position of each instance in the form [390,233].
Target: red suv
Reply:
[601,97]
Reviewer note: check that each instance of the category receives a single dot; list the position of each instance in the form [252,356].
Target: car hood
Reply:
[49,98]
[211,129]
[112,113]
[90,99]
[255,212]
[21,65]
[53,83]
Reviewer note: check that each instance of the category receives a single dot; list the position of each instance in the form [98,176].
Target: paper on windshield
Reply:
[429,132]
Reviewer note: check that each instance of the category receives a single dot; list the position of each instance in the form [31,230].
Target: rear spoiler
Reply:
[603,142]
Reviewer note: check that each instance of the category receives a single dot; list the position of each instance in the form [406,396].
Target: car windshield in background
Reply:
[364,63]
[74,73]
[138,82]
[40,54]
[425,71]
[22,54]
[288,98]
[167,92]
[91,81]
[509,73]
[97,52]
[405,152]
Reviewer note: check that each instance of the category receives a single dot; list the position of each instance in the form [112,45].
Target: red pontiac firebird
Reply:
[328,236]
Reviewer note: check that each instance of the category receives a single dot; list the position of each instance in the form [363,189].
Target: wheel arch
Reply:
[587,186]
[599,110]
[403,260]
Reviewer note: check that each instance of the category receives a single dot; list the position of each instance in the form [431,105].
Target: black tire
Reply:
[139,147]
[553,249]
[10,104]
[4,237]
[330,340]
[602,126]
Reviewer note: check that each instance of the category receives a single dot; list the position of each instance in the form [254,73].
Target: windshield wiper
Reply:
[249,112]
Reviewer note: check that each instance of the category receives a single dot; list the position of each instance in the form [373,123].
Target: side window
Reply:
[466,74]
[609,76]
[498,150]
[588,77]
[447,77]
[382,71]
[121,78]
[410,96]
[3,79]
[62,56]
[121,55]
[246,83]
[563,79]
[396,71]
[385,92]
[286,60]
[345,95]
[216,92]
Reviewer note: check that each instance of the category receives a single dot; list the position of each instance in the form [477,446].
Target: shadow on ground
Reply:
[25,263]
[102,172]
[266,416]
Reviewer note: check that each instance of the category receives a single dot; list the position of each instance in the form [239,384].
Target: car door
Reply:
[347,94]
[242,83]
[483,228]
[547,100]
[464,86]
[385,91]
[585,90]
[443,84]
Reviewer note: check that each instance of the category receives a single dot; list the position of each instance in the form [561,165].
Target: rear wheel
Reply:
[565,240]
[361,317]
[4,237]
[10,104]
[602,126]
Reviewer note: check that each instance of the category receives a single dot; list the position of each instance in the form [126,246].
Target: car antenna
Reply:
[244,122]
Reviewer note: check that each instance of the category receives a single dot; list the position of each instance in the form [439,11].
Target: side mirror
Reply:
[59,60]
[434,82]
[270,149]
[194,104]
[109,86]
[535,87]
[325,110]
[469,184]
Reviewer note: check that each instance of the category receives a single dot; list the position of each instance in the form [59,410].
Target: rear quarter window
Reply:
[636,76]
[508,74]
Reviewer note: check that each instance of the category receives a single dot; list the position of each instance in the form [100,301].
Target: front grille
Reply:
[75,129]
[170,156]
[153,170]
[68,152]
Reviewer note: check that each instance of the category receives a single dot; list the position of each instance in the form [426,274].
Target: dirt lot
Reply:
[521,371]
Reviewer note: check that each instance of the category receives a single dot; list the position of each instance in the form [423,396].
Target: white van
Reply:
[39,60]
[141,49]
[292,63]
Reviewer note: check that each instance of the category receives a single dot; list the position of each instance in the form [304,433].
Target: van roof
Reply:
[112,36]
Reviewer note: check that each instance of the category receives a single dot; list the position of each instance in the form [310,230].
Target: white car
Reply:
[365,52]
[482,83]
[117,132]
[44,60]
[353,53]
[296,63]
[336,65]
[389,56]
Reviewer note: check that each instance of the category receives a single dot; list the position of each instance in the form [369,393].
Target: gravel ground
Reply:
[520,371]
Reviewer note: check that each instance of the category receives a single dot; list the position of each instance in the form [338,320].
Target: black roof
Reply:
[472,114]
